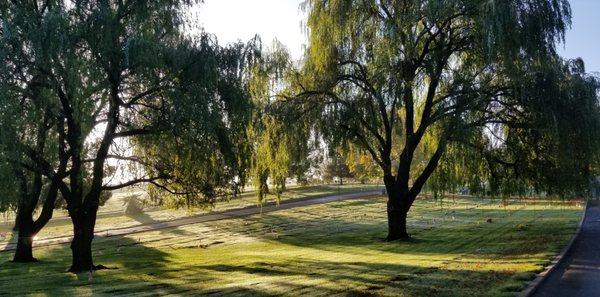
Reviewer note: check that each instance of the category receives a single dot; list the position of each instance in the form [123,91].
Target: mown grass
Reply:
[321,250]
[112,214]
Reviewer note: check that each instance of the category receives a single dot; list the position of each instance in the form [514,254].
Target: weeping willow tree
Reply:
[280,146]
[200,147]
[26,134]
[400,77]
[564,132]
[123,85]
[29,138]
[551,147]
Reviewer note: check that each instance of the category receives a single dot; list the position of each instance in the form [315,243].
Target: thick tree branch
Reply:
[426,173]
[132,182]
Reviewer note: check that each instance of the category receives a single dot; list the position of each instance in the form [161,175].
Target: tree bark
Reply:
[84,221]
[396,223]
[81,245]
[28,228]
[24,252]
[396,210]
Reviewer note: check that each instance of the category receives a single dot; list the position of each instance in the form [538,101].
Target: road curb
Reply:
[542,276]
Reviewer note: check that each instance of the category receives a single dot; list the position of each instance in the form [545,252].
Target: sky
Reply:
[233,20]
[583,40]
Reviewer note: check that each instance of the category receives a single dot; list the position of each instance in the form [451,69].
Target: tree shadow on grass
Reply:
[146,220]
[136,269]
[50,276]
[510,234]
[142,217]
[145,270]
[373,279]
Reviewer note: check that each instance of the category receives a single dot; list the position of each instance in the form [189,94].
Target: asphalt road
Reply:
[579,273]
[227,214]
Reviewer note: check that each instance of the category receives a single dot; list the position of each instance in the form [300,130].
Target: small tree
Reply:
[280,145]
[336,167]
[361,166]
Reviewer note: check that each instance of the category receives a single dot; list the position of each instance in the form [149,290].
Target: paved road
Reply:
[579,272]
[227,214]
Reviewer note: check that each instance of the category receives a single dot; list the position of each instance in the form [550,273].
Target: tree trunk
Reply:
[17,219]
[396,223]
[28,228]
[24,252]
[396,210]
[81,245]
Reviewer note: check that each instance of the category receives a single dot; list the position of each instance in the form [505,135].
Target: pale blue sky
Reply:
[583,40]
[233,20]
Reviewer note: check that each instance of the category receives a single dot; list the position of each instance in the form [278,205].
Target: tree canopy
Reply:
[407,80]
[101,95]
[280,144]
[114,74]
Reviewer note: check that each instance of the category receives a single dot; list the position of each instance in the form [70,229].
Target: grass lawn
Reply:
[328,249]
[112,215]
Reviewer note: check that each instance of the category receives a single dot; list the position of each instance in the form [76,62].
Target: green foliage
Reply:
[115,74]
[336,167]
[554,153]
[271,157]
[409,81]
[127,92]
[281,146]
[27,105]
[550,144]
[361,166]
[201,147]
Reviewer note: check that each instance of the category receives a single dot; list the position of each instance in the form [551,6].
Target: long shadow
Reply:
[374,279]
[142,269]
[144,219]
[446,236]
[51,275]
[145,269]
[134,268]
[151,274]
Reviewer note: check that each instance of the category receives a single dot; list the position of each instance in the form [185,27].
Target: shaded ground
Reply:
[112,215]
[332,249]
[579,272]
[149,224]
